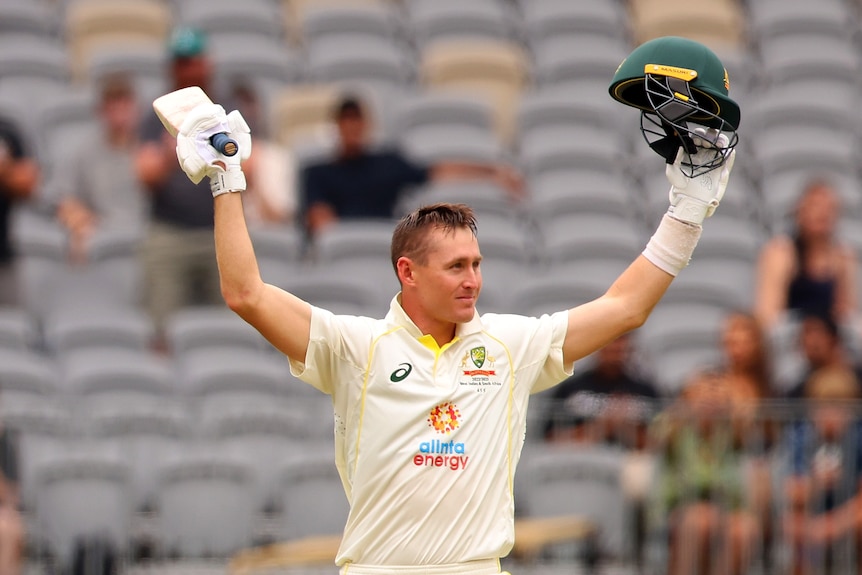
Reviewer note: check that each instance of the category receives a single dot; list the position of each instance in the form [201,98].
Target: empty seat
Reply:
[302,112]
[722,281]
[148,431]
[190,524]
[565,146]
[545,19]
[490,203]
[589,236]
[670,326]
[584,482]
[451,143]
[263,61]
[443,109]
[27,371]
[18,330]
[208,326]
[776,18]
[30,57]
[43,427]
[120,372]
[580,193]
[312,495]
[108,327]
[561,59]
[350,240]
[359,60]
[371,18]
[94,23]
[431,20]
[805,57]
[345,289]
[212,371]
[717,23]
[495,70]
[84,492]
[258,17]
[555,291]
[263,434]
[30,18]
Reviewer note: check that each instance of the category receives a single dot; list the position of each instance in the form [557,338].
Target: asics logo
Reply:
[401,373]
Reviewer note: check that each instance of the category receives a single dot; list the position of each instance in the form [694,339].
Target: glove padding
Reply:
[198,157]
[694,199]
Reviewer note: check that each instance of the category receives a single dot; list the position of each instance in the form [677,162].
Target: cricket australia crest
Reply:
[485,374]
[477,354]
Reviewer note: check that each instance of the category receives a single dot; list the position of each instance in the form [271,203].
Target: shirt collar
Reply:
[397,316]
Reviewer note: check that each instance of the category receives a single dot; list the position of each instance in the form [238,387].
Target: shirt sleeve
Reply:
[313,186]
[553,370]
[337,349]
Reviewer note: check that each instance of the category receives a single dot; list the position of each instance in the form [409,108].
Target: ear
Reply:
[405,269]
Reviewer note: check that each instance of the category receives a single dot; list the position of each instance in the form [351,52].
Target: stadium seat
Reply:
[18,330]
[262,434]
[190,525]
[144,63]
[303,111]
[781,191]
[94,23]
[576,58]
[583,236]
[257,17]
[350,240]
[118,372]
[371,18]
[208,326]
[496,70]
[490,203]
[83,492]
[545,19]
[31,57]
[445,143]
[148,431]
[556,481]
[27,371]
[345,289]
[432,20]
[359,60]
[312,495]
[295,12]
[278,249]
[557,290]
[206,373]
[546,148]
[42,425]
[105,327]
[717,280]
[263,61]
[582,192]
[719,23]
[772,18]
[30,18]
[791,58]
[450,110]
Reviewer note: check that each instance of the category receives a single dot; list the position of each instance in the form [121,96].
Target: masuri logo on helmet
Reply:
[676,82]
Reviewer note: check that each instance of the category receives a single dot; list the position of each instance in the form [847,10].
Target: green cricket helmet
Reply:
[679,84]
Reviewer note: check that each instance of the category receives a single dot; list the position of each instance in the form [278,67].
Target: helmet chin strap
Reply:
[668,146]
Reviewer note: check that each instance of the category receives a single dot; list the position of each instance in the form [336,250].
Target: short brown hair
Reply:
[409,235]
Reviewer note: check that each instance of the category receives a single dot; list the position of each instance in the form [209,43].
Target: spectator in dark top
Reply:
[607,403]
[824,487]
[810,271]
[19,176]
[179,255]
[822,347]
[363,183]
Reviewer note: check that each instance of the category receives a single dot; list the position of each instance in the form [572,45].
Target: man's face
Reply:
[352,129]
[818,344]
[120,113]
[192,71]
[449,281]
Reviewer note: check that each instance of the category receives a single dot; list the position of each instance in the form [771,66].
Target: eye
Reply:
[457,266]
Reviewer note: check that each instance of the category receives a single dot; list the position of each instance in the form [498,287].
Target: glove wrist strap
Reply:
[230,180]
[692,210]
[671,246]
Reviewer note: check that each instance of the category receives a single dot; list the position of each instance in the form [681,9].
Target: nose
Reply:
[472,279]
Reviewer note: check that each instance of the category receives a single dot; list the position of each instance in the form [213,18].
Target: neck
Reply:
[119,138]
[442,331]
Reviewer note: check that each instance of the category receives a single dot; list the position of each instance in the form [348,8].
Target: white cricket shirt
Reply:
[427,438]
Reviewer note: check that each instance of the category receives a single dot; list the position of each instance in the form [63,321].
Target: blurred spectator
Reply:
[179,254]
[364,183]
[97,185]
[824,489]
[607,403]
[11,523]
[707,493]
[822,347]
[270,197]
[19,176]
[810,270]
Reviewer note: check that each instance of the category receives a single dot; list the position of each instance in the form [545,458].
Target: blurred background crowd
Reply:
[147,428]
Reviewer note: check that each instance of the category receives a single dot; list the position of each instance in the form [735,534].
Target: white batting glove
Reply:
[197,156]
[692,200]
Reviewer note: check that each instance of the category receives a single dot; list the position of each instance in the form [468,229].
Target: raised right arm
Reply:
[282,318]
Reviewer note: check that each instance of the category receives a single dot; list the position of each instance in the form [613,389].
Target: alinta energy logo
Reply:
[444,419]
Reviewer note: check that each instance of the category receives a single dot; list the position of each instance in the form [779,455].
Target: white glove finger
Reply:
[190,161]
[674,171]
[203,118]
[241,132]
